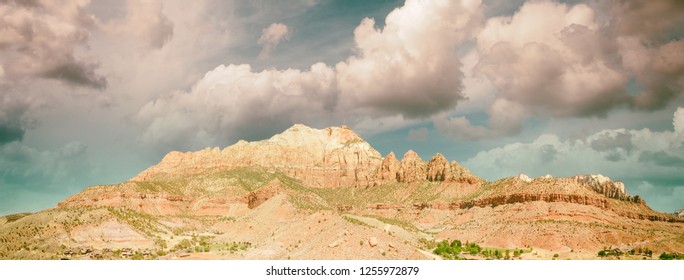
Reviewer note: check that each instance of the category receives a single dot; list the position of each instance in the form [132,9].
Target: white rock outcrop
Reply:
[603,184]
[524,178]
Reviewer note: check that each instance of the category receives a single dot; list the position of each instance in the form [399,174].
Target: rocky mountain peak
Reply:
[411,156]
[412,168]
[438,168]
[388,169]
[330,157]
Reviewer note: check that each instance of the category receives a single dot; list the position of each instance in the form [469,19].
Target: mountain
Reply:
[327,194]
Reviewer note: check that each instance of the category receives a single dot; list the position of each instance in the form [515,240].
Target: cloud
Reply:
[418,134]
[14,114]
[552,59]
[648,19]
[555,60]
[660,158]
[643,153]
[232,99]
[145,21]
[11,121]
[506,119]
[271,36]
[40,39]
[612,141]
[408,69]
[627,155]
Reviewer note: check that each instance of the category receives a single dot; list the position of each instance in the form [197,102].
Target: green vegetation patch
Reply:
[671,256]
[355,221]
[455,250]
[396,222]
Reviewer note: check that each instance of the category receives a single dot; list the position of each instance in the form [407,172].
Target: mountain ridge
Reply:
[329,186]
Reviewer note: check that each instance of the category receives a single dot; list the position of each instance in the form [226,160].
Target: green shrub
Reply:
[602,253]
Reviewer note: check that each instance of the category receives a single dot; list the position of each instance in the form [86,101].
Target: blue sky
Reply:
[93,92]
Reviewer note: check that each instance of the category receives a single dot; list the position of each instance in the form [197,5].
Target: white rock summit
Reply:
[603,184]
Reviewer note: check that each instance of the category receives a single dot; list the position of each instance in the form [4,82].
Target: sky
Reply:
[93,92]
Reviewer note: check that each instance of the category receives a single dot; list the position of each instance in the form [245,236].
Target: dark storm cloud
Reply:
[14,118]
[607,142]
[40,38]
[653,20]
[657,59]
[75,73]
[614,157]
[661,158]
[9,133]
[547,153]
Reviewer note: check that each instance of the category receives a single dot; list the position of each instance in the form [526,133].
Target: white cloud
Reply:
[678,121]
[232,99]
[618,153]
[554,60]
[408,70]
[271,37]
[410,67]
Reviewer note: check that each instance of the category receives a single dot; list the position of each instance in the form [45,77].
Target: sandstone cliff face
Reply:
[438,168]
[412,168]
[388,169]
